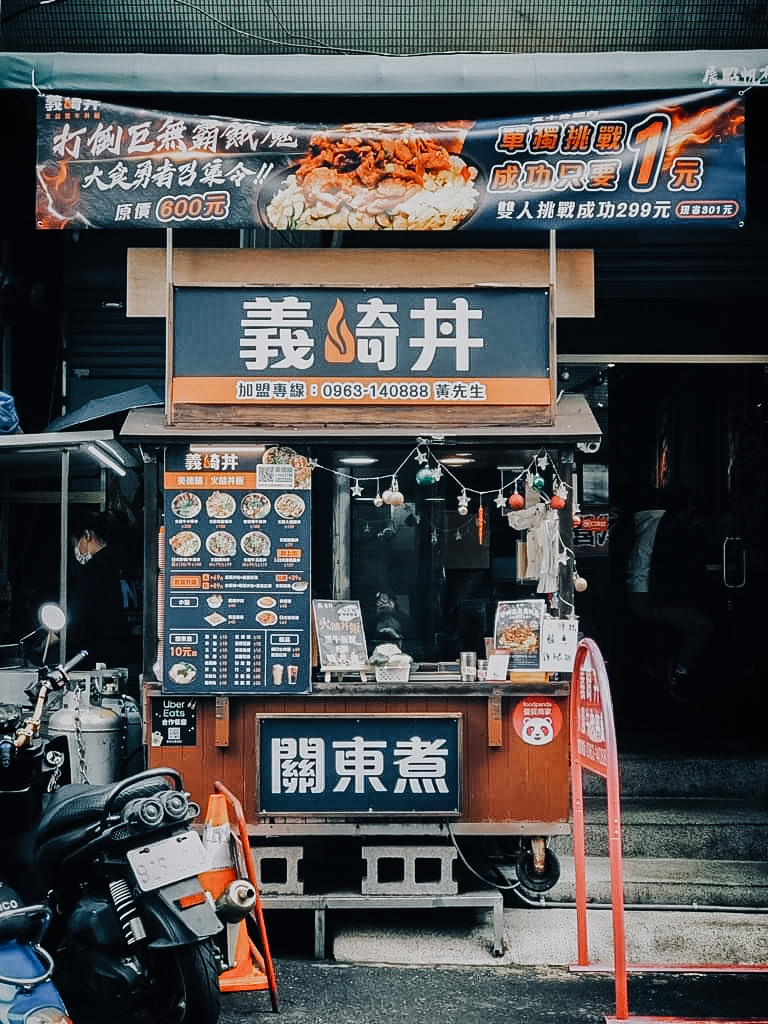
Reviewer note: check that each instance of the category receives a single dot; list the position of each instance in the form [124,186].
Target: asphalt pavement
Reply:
[347,991]
[322,992]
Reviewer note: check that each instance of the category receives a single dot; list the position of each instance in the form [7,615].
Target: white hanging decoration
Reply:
[356,489]
[463,502]
[378,501]
[500,501]
[395,497]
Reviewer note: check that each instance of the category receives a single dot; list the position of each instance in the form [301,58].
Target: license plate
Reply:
[168,860]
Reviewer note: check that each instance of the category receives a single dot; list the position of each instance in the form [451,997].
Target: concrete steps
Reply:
[695,867]
[694,832]
[672,882]
[692,827]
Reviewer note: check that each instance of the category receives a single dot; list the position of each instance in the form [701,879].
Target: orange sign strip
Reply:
[364,391]
[233,480]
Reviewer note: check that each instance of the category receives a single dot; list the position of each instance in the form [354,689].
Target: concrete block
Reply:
[277,869]
[401,870]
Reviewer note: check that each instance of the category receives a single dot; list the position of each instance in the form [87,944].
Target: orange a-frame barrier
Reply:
[254,969]
[593,748]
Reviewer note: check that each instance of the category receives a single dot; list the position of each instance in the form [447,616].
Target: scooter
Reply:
[131,930]
[26,991]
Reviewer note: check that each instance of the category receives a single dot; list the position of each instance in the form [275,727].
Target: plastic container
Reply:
[393,673]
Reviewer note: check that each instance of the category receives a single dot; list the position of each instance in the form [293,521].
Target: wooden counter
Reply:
[509,786]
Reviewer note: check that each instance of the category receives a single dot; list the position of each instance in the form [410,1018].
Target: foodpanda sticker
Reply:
[537,720]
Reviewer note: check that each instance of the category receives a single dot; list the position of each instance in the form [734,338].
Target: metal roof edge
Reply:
[423,74]
[574,422]
[53,441]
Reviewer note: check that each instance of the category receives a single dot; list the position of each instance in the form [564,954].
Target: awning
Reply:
[40,455]
[92,74]
[574,422]
[107,407]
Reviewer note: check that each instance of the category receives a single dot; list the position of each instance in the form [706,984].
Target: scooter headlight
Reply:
[176,805]
[145,813]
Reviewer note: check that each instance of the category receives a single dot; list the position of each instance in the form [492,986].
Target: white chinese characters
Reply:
[358,765]
[277,333]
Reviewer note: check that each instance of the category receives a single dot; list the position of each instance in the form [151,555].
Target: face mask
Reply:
[83,559]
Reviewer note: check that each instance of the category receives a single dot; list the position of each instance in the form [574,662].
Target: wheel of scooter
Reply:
[537,881]
[185,981]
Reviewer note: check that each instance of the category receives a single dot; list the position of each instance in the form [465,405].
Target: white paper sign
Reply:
[497,666]
[559,639]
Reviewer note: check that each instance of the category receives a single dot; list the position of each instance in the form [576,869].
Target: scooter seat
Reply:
[74,808]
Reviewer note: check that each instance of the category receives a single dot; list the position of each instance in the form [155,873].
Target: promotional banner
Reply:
[677,161]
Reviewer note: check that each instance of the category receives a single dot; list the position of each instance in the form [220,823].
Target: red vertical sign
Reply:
[593,748]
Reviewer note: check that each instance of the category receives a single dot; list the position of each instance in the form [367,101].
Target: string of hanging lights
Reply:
[431,471]
[510,496]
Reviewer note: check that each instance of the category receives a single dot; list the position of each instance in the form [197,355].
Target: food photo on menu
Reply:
[376,177]
[255,505]
[517,631]
[185,543]
[220,505]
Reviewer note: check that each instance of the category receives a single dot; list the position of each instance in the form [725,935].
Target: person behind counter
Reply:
[97,619]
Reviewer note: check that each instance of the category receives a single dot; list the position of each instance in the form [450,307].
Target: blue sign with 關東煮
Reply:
[350,764]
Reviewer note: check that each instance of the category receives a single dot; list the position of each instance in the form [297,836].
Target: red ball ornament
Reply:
[516,500]
[557,501]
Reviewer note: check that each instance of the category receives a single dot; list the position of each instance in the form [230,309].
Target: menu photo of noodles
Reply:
[517,632]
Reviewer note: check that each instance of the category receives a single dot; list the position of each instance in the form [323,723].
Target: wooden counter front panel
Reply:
[514,782]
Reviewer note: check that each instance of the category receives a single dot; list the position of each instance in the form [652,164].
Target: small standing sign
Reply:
[559,638]
[517,633]
[340,637]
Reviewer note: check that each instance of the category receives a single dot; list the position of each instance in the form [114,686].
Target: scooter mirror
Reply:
[52,617]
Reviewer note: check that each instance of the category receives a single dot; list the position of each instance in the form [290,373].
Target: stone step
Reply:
[547,937]
[745,778]
[673,881]
[691,828]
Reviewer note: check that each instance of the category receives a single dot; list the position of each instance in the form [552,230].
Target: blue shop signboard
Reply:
[359,764]
[236,552]
[299,346]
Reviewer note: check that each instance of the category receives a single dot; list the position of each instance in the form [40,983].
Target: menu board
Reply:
[517,632]
[340,635]
[236,571]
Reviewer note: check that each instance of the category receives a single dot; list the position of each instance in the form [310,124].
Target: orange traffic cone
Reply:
[217,840]
[247,971]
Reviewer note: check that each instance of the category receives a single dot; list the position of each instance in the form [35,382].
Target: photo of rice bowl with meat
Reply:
[377,177]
